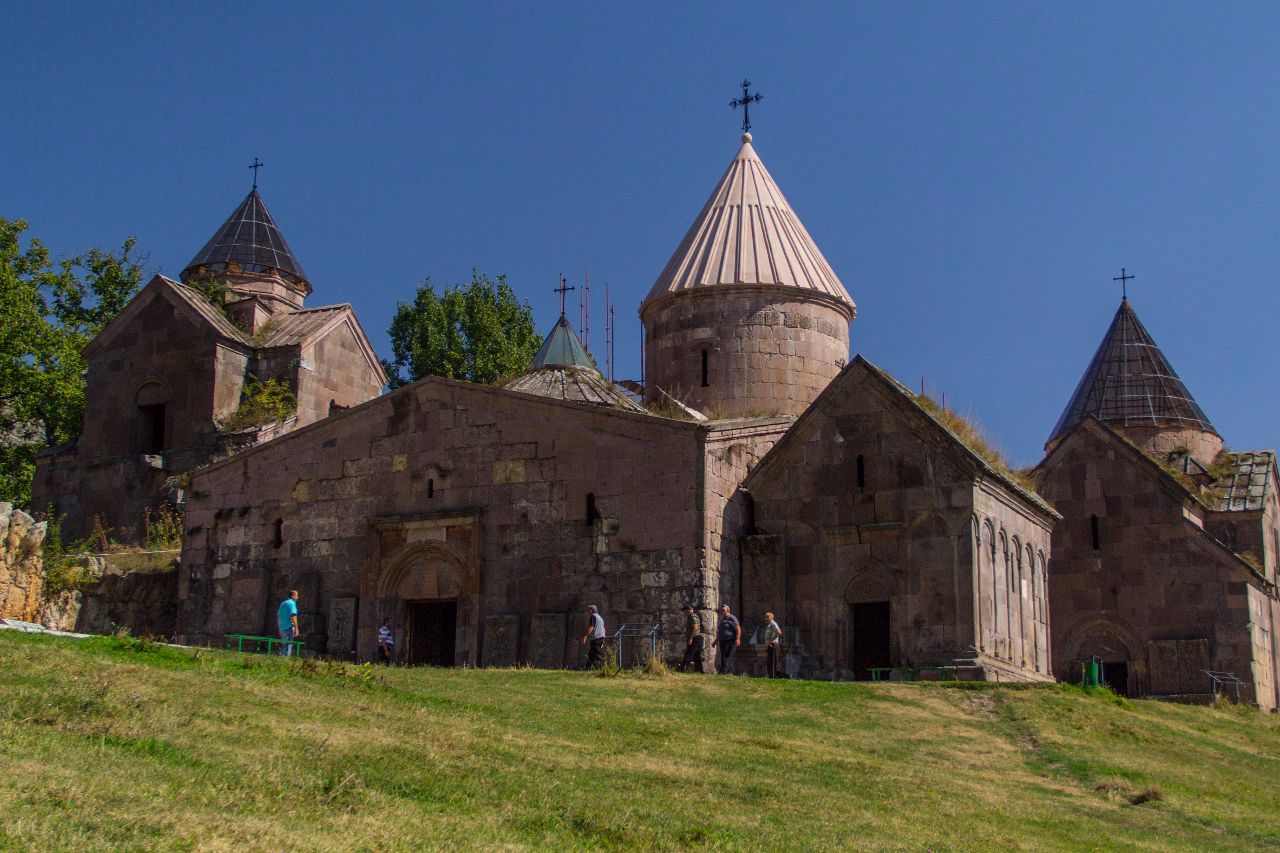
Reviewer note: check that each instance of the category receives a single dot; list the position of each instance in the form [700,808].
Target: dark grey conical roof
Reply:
[1131,383]
[250,239]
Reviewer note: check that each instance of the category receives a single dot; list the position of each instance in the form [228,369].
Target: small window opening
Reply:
[431,487]
[278,538]
[862,473]
[152,428]
[1093,533]
[593,514]
[705,355]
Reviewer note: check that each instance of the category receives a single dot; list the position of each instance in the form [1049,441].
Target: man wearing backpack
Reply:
[692,640]
[728,638]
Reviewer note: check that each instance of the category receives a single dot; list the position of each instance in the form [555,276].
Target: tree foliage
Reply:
[262,403]
[478,331]
[48,312]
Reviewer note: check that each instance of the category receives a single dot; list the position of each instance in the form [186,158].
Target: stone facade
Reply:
[1140,582]
[874,529]
[485,502]
[135,592]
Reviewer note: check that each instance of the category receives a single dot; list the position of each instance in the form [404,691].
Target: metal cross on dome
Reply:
[564,288]
[1124,278]
[745,102]
[255,166]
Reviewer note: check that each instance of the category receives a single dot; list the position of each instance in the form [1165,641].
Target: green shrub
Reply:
[262,403]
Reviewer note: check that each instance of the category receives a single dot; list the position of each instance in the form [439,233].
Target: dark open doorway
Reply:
[870,637]
[432,629]
[1115,674]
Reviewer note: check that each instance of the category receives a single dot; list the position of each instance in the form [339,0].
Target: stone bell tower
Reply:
[747,318]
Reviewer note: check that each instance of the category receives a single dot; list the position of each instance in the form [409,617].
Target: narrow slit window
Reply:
[1093,533]
[705,355]
[431,487]
[592,513]
[277,538]
[862,473]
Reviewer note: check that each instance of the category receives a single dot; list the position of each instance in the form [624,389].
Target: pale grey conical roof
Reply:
[747,234]
[1129,382]
[563,370]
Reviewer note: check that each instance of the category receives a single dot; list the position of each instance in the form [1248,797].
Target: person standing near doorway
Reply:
[692,640]
[728,638]
[287,617]
[771,636]
[386,643]
[595,636]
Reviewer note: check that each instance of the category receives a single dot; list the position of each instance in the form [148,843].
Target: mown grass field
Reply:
[111,743]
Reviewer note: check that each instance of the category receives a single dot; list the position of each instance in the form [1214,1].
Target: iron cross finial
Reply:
[562,290]
[1123,278]
[256,165]
[745,102]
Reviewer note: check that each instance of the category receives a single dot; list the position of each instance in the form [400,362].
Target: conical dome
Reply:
[563,370]
[747,234]
[1130,385]
[249,241]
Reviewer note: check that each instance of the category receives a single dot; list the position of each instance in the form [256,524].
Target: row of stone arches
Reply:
[1012,607]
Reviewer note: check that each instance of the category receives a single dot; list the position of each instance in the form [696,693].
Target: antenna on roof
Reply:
[255,166]
[608,334]
[586,311]
[613,331]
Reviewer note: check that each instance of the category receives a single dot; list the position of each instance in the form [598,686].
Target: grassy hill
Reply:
[117,743]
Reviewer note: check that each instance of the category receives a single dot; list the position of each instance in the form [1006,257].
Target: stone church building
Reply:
[169,371]
[1164,564]
[756,465]
[483,520]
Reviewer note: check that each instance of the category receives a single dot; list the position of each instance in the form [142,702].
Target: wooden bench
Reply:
[239,640]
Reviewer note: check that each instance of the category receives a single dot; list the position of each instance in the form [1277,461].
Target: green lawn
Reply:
[111,743]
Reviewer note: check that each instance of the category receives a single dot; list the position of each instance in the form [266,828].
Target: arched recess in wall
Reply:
[429,570]
[1107,638]
[988,573]
[151,431]
[874,581]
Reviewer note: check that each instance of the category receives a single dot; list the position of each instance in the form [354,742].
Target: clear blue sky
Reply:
[975,173]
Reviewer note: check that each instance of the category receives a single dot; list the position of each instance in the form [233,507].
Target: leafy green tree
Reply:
[478,331]
[48,312]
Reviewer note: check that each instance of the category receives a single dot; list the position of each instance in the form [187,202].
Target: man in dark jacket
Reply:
[728,638]
[692,640]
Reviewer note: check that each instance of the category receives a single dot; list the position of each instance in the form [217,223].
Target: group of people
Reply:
[727,640]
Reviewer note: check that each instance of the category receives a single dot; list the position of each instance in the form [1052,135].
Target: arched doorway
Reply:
[428,593]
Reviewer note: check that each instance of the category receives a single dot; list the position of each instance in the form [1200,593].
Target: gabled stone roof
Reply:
[250,240]
[747,234]
[1244,487]
[1129,382]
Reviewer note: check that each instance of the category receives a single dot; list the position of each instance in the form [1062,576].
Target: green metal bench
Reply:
[239,641]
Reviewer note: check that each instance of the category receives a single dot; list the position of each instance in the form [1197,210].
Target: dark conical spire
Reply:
[562,349]
[250,241]
[1129,383]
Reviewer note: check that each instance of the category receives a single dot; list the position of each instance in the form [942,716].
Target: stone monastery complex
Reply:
[483,520]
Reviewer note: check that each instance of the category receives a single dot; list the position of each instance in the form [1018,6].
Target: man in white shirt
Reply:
[386,642]
[771,636]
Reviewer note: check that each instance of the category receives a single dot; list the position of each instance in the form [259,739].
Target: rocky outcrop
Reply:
[21,571]
[134,591]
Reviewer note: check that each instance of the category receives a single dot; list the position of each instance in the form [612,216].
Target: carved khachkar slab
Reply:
[1177,666]
[548,640]
[501,640]
[342,627]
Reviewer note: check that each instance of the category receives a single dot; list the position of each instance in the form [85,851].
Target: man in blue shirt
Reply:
[287,616]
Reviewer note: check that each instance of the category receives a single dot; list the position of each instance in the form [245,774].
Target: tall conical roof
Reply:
[1129,382]
[250,240]
[562,348]
[747,234]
